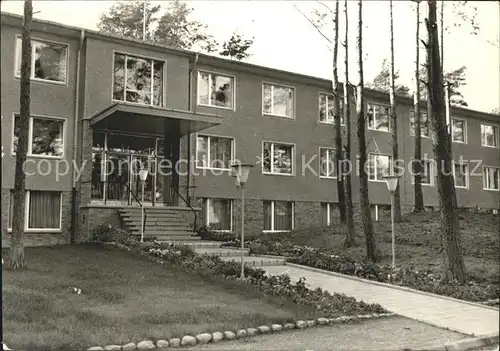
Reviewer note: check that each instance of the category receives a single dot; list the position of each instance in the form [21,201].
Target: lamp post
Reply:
[143,175]
[392,183]
[242,171]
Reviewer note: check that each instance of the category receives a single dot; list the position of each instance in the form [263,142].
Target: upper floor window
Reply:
[327,162]
[489,135]
[491,178]
[48,60]
[424,124]
[215,90]
[459,130]
[278,100]
[277,158]
[45,137]
[326,109]
[214,152]
[138,80]
[379,166]
[378,117]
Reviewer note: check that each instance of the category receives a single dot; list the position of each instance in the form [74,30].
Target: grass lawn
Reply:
[125,298]
[418,242]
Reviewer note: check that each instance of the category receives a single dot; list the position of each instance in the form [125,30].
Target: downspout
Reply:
[75,138]
[192,108]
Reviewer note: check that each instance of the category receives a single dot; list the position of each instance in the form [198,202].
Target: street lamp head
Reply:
[241,170]
[392,182]
[235,176]
[143,174]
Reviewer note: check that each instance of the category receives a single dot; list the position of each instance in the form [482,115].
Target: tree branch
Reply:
[313,24]
[326,6]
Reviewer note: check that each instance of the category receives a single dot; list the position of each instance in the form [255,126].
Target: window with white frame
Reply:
[459,130]
[277,100]
[214,152]
[278,216]
[489,135]
[215,89]
[424,124]
[43,210]
[378,117]
[45,136]
[48,60]
[461,175]
[277,158]
[491,178]
[328,213]
[426,174]
[379,166]
[138,80]
[219,214]
[327,162]
[326,103]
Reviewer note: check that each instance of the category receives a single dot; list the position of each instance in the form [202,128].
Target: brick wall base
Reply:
[93,216]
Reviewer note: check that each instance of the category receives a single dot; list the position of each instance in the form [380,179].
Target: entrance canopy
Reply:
[148,119]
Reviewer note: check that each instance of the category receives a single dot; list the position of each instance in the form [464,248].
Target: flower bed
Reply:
[331,260]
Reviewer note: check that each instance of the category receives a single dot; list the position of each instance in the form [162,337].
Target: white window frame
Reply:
[466,175]
[328,97]
[163,84]
[328,163]
[412,130]
[272,230]
[272,155]
[496,127]
[328,212]
[465,130]
[30,136]
[273,85]
[210,136]
[17,63]
[233,78]
[389,124]
[485,182]
[431,171]
[27,213]
[207,212]
[375,166]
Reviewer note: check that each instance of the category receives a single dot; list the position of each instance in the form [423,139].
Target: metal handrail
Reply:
[188,204]
[136,199]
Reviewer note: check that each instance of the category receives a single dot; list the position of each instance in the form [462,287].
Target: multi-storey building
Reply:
[101,104]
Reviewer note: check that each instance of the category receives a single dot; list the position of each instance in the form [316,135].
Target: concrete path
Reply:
[435,310]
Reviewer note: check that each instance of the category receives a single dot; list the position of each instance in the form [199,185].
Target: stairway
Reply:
[164,223]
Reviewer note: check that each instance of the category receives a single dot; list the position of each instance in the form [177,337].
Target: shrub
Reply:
[108,233]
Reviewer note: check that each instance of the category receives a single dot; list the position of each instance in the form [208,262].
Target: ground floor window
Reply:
[491,178]
[328,213]
[42,210]
[278,215]
[218,214]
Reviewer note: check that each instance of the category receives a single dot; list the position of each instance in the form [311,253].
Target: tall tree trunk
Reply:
[450,230]
[394,126]
[350,236]
[417,164]
[366,215]
[16,245]
[336,115]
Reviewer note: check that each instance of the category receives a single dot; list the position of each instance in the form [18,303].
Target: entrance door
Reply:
[118,178]
[139,162]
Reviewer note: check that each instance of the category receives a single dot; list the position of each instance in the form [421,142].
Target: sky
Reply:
[284,39]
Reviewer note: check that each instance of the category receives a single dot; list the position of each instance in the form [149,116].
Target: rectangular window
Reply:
[215,90]
[459,130]
[214,152]
[378,117]
[277,100]
[489,135]
[328,214]
[327,163]
[427,175]
[424,124]
[326,109]
[379,166]
[43,209]
[48,60]
[278,216]
[46,136]
[219,213]
[138,80]
[277,158]
[491,178]
[461,175]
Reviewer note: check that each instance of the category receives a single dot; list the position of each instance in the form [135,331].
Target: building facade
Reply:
[102,108]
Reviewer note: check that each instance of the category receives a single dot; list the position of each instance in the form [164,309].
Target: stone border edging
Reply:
[387,285]
[214,337]
[491,302]
[464,344]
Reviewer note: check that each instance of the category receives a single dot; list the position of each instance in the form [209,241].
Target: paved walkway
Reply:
[438,311]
